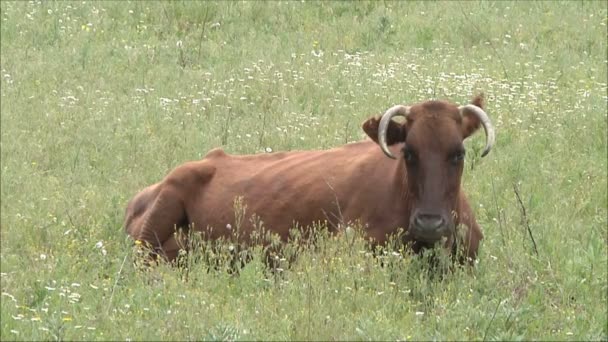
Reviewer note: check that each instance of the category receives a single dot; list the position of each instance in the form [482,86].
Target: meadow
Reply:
[100,99]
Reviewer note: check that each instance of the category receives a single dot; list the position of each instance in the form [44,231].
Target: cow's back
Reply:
[282,189]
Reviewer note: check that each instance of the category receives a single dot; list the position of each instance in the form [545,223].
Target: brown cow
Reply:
[414,185]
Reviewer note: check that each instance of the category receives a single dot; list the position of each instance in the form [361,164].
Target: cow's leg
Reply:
[469,233]
[240,256]
[472,237]
[277,259]
[161,220]
[171,247]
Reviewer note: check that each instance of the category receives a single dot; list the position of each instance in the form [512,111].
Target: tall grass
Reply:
[99,99]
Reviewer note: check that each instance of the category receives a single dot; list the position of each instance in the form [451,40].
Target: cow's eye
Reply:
[457,157]
[409,156]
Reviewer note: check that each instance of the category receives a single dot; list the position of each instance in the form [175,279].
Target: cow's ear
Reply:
[470,122]
[395,133]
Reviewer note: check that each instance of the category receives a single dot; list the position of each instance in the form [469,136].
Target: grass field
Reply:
[99,99]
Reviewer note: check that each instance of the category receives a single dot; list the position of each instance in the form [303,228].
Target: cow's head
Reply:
[433,157]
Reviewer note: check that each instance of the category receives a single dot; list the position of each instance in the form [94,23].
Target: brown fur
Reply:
[354,182]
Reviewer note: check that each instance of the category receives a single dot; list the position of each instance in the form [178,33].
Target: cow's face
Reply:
[433,158]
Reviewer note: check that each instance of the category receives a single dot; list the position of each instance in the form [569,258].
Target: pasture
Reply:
[100,99]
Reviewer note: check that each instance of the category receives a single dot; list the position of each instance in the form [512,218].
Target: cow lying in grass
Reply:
[407,175]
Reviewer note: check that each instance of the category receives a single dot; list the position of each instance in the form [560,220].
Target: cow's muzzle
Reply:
[429,227]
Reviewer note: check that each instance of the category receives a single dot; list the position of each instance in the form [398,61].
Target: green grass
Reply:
[99,99]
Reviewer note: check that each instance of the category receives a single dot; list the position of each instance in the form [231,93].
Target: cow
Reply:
[406,176]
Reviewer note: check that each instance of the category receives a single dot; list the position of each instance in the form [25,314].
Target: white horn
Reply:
[398,110]
[485,122]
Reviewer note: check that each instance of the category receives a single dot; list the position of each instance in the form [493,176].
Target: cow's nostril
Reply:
[429,222]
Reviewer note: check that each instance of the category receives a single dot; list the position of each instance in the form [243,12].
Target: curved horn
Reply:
[485,122]
[398,110]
